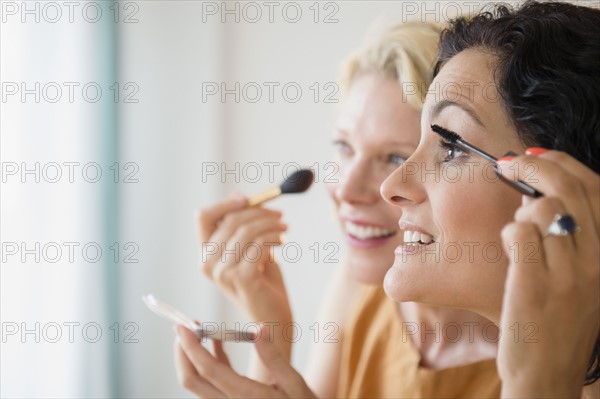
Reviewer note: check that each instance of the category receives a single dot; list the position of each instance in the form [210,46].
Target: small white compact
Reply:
[202,331]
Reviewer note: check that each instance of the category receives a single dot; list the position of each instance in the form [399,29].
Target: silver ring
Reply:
[562,225]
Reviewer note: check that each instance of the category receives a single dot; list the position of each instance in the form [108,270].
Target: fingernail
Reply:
[238,197]
[526,200]
[535,151]
[505,159]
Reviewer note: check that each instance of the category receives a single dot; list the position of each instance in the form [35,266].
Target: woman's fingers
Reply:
[553,180]
[209,216]
[219,375]
[220,353]
[587,177]
[562,281]
[249,244]
[558,250]
[250,232]
[286,377]
[527,272]
[233,221]
[204,374]
[189,378]
[237,240]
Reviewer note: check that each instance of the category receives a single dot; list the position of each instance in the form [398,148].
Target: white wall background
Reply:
[171,134]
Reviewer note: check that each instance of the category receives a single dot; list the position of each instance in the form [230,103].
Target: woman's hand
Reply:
[211,376]
[237,256]
[237,243]
[551,310]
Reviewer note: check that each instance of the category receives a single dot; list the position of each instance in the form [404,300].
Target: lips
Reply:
[366,235]
[367,232]
[415,237]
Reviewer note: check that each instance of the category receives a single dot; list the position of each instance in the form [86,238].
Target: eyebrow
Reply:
[441,105]
[395,143]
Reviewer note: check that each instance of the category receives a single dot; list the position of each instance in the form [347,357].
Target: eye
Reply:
[396,159]
[451,151]
[342,147]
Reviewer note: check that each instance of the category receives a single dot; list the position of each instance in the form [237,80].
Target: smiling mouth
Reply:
[416,238]
[362,232]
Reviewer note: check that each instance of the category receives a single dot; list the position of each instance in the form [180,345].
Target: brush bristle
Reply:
[446,134]
[297,182]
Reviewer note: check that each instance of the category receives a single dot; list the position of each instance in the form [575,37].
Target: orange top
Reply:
[378,361]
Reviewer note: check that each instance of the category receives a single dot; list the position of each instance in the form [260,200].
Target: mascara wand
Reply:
[460,143]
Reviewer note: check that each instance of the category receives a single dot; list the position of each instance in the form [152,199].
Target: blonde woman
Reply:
[384,349]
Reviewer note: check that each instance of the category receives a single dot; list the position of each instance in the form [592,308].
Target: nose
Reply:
[404,185]
[358,183]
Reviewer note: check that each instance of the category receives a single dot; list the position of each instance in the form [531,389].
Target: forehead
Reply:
[469,65]
[378,103]
[375,93]
[466,80]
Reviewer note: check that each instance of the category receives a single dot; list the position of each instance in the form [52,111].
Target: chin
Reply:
[484,298]
[367,270]
[403,285]
[394,287]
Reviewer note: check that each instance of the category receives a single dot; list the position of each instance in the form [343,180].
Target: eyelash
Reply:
[449,147]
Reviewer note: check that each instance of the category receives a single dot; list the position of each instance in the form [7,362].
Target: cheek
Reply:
[331,189]
[474,209]
[392,213]
[334,178]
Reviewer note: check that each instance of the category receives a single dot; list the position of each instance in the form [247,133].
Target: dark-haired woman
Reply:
[528,82]
[509,82]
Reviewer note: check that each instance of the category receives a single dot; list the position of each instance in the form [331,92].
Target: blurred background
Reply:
[119,119]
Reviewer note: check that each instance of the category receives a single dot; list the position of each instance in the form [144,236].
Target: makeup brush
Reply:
[458,141]
[297,182]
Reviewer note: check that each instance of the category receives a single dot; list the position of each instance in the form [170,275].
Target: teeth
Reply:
[416,237]
[367,232]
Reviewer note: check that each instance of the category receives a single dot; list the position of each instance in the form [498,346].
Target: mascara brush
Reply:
[463,145]
[297,182]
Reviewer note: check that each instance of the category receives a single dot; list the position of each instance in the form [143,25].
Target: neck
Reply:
[446,337]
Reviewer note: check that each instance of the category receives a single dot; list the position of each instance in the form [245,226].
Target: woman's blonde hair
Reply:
[405,52]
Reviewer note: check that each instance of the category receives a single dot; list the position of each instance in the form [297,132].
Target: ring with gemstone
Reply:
[562,225]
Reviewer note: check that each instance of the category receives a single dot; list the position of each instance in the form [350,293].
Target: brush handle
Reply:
[264,196]
[518,185]
[225,335]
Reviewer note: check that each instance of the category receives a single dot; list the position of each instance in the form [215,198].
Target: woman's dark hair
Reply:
[548,76]
[547,73]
